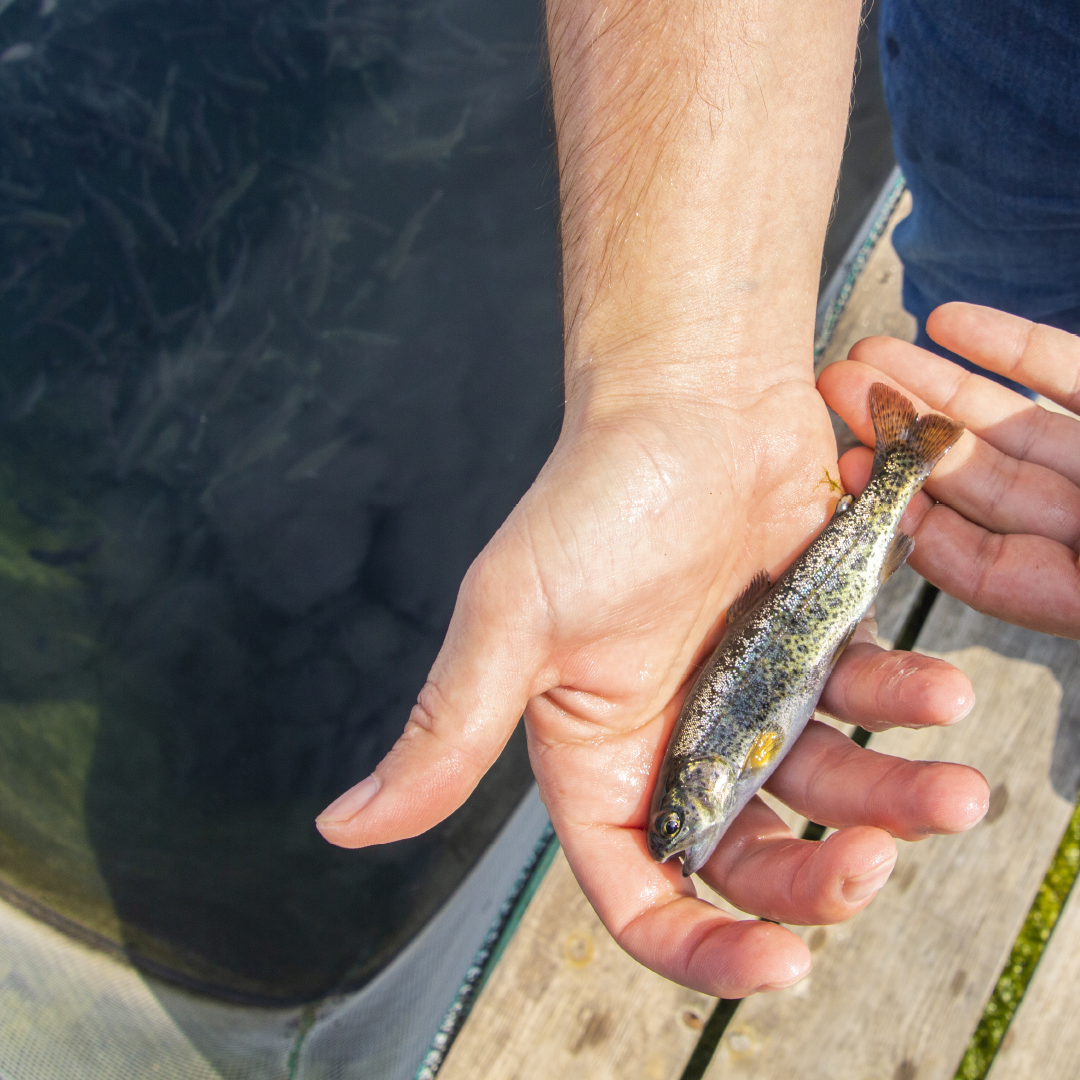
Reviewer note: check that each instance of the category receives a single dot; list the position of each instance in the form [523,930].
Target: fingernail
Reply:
[765,988]
[351,803]
[858,889]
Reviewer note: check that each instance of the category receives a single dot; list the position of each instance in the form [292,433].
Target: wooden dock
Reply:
[897,992]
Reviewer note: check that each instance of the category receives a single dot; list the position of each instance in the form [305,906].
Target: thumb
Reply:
[474,696]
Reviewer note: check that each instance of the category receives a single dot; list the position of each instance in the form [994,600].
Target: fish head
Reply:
[691,807]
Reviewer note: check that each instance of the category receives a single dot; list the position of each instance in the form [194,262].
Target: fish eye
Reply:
[670,824]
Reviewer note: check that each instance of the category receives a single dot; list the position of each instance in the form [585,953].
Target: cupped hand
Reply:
[1004,531]
[589,612]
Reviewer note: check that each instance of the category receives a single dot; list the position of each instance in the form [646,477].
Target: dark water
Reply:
[280,349]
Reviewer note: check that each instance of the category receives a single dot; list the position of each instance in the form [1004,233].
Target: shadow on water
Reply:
[281,350]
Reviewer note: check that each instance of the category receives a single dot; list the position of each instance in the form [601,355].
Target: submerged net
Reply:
[281,348]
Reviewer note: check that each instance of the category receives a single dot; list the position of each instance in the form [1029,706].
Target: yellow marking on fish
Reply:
[834,485]
[766,746]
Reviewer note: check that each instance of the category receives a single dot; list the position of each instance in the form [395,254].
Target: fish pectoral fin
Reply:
[901,547]
[764,749]
[758,586]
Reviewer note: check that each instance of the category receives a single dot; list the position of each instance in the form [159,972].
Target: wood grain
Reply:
[896,993]
[1043,1040]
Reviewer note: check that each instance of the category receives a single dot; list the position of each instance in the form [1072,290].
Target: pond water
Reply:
[280,349]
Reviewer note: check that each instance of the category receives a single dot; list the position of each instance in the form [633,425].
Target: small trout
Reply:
[761,685]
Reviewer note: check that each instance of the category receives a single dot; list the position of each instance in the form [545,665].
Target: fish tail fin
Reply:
[897,426]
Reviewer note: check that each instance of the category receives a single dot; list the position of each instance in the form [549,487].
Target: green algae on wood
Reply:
[1039,924]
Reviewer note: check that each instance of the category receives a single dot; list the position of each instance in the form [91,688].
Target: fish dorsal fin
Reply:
[901,547]
[897,426]
[759,585]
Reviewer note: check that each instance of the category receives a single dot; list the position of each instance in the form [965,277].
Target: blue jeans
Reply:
[984,98]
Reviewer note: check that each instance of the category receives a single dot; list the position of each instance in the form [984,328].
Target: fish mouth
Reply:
[695,850]
[697,854]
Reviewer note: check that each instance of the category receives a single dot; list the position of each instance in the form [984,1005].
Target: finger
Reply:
[473,698]
[1008,421]
[1040,357]
[985,485]
[653,913]
[1029,580]
[762,869]
[879,689]
[835,782]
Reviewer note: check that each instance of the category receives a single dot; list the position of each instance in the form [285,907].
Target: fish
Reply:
[398,255]
[128,240]
[761,685]
[69,556]
[226,200]
[203,137]
[159,122]
[430,149]
[148,205]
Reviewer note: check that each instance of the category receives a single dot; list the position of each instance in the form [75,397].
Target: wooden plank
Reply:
[1043,1040]
[567,1002]
[896,993]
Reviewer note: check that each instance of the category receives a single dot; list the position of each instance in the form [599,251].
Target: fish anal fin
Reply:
[758,586]
[901,547]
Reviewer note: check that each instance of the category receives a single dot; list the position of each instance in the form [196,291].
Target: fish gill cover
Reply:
[279,348]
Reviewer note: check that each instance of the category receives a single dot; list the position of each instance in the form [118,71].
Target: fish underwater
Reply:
[759,689]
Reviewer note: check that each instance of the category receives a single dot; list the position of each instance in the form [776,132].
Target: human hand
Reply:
[1004,533]
[589,611]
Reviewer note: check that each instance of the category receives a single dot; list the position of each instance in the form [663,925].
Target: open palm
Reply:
[589,612]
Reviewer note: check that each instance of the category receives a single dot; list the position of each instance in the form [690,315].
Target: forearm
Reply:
[698,148]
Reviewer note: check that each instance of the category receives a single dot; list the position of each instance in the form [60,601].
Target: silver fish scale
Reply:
[773,662]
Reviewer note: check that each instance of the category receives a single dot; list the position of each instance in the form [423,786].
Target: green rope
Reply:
[836,308]
[498,937]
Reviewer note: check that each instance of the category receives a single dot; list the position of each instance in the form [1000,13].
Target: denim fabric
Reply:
[984,98]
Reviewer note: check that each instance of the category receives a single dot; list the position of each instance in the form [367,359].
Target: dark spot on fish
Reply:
[906,1070]
[958,981]
[999,800]
[818,939]
[65,556]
